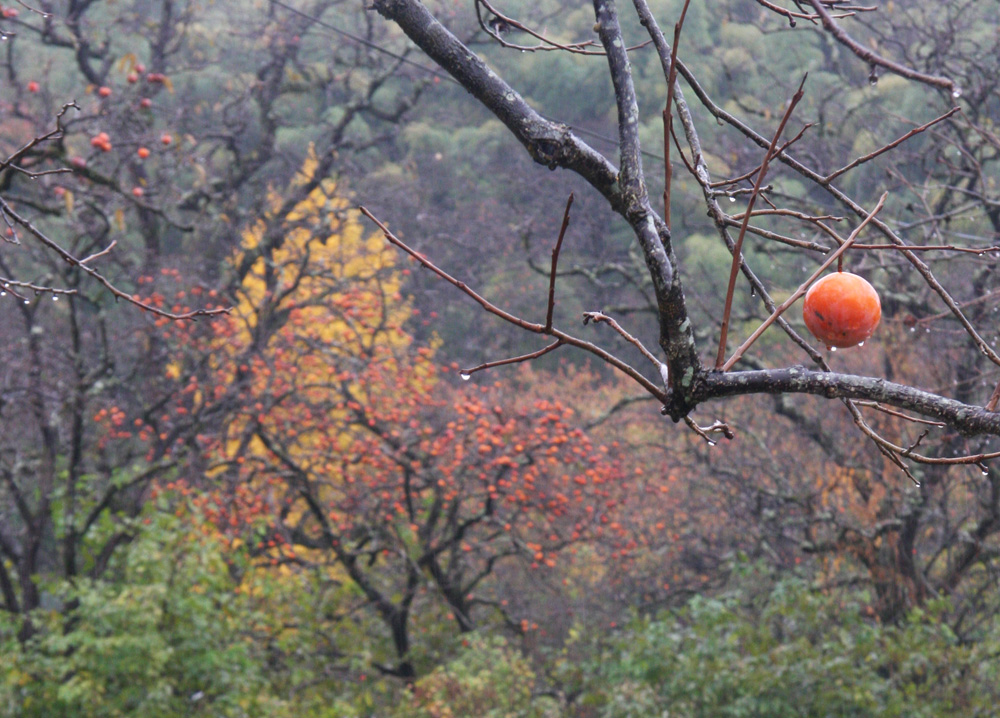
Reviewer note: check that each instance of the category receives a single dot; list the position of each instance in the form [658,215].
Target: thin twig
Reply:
[960,305]
[991,405]
[598,317]
[782,212]
[555,264]
[29,8]
[668,119]
[790,241]
[738,248]
[893,412]
[873,58]
[791,15]
[55,134]
[755,170]
[912,447]
[929,248]
[12,285]
[894,451]
[895,143]
[97,255]
[501,23]
[680,151]
[466,373]
[97,276]
[717,427]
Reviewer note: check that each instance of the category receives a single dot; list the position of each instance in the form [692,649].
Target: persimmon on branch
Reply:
[688,382]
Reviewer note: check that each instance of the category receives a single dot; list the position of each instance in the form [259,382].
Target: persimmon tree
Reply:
[678,376]
[338,444]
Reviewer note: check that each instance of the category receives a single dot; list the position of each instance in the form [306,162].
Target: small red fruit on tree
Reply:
[32,86]
[140,68]
[102,141]
[842,309]
[143,152]
[166,139]
[104,92]
[145,103]
[132,77]
[137,192]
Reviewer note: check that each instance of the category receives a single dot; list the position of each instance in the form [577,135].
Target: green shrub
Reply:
[796,653]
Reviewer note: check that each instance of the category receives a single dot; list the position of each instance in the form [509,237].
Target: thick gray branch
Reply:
[547,142]
[676,334]
[969,420]
[631,178]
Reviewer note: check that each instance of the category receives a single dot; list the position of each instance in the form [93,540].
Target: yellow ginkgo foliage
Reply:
[315,338]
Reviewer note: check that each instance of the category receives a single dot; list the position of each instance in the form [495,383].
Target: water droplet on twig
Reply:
[465,377]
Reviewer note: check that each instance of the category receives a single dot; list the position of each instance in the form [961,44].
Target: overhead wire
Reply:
[431,70]
[363,41]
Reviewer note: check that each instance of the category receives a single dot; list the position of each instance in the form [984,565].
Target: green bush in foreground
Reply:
[170,637]
[795,653]
[488,679]
[166,637]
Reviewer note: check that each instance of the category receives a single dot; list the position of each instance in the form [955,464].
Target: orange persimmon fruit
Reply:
[842,309]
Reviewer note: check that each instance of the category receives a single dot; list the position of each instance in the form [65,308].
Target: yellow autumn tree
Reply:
[316,330]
